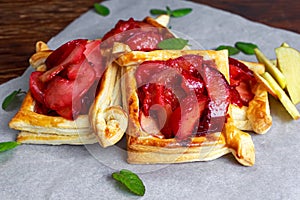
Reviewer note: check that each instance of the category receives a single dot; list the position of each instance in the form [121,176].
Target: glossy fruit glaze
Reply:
[242,81]
[193,96]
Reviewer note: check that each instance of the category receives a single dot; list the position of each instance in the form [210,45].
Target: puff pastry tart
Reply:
[55,109]
[180,106]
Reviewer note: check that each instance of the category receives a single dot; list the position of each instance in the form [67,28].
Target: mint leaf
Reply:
[173,44]
[101,9]
[231,50]
[169,11]
[157,12]
[5,146]
[172,13]
[181,12]
[10,98]
[131,181]
[247,48]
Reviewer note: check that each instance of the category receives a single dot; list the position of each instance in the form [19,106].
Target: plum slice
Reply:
[94,57]
[219,94]
[69,53]
[36,86]
[64,96]
[139,35]
[185,119]
[241,81]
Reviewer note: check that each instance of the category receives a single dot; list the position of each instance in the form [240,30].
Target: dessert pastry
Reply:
[180,107]
[52,112]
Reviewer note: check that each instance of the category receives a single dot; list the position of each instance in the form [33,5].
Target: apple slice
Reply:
[274,62]
[289,63]
[282,96]
[266,84]
[271,68]
[163,20]
[285,44]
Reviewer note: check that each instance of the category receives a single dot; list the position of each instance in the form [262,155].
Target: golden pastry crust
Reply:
[258,112]
[108,119]
[150,149]
[144,148]
[27,120]
[53,139]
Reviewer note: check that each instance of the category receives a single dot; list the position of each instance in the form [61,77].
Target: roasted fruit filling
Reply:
[182,97]
[138,35]
[241,81]
[68,86]
[65,88]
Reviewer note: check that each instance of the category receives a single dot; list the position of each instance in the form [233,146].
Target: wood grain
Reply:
[23,22]
[277,13]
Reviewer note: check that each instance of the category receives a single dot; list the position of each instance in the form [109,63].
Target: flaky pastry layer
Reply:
[151,150]
[107,118]
[53,139]
[28,121]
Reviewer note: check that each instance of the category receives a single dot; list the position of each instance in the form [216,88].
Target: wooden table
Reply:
[23,22]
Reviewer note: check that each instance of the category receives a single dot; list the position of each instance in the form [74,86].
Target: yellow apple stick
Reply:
[289,63]
[271,68]
[282,96]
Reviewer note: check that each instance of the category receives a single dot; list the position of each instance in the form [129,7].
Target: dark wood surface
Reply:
[23,22]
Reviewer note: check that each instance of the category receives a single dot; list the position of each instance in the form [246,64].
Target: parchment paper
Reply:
[77,172]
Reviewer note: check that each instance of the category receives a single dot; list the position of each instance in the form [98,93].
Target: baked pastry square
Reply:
[146,147]
[42,129]
[37,128]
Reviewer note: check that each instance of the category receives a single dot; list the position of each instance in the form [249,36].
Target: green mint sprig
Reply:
[172,44]
[172,13]
[245,47]
[101,9]
[131,181]
[11,97]
[231,50]
[5,146]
